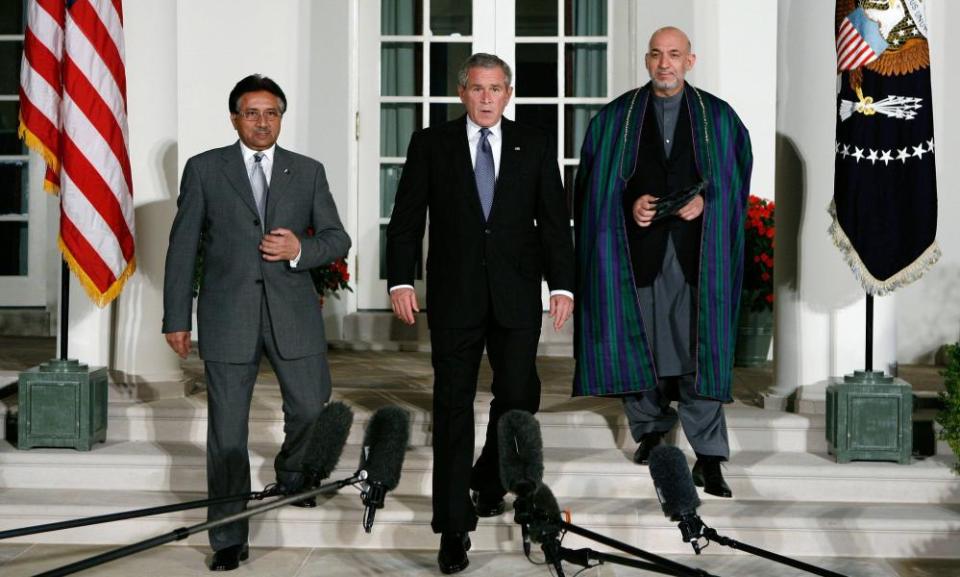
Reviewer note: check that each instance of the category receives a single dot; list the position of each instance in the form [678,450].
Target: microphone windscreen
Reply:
[545,513]
[521,452]
[673,481]
[384,446]
[327,439]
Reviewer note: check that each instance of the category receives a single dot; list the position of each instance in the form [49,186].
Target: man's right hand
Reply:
[179,342]
[404,302]
[644,209]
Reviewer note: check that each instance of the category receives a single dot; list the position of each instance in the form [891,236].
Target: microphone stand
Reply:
[96,520]
[657,563]
[711,535]
[184,532]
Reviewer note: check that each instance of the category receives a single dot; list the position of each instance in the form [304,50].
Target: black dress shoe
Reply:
[485,506]
[707,474]
[453,552]
[647,442]
[229,558]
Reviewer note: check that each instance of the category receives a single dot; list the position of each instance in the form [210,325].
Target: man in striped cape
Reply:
[661,195]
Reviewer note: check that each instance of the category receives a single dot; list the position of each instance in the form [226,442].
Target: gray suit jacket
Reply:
[216,207]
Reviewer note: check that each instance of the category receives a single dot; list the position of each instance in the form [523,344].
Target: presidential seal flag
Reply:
[73,112]
[885,189]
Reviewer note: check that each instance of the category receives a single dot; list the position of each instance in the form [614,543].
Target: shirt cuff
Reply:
[400,286]
[562,293]
[296,261]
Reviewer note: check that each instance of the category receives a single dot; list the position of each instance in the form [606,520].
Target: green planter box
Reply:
[62,404]
[870,418]
[754,334]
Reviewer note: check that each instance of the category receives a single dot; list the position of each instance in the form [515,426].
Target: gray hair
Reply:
[483,60]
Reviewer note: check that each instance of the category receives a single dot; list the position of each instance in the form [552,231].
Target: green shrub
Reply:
[949,416]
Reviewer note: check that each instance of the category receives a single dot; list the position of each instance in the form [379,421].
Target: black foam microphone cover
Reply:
[521,452]
[384,446]
[673,481]
[326,441]
[545,520]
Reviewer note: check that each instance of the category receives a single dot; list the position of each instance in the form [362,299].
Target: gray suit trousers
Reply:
[702,419]
[305,388]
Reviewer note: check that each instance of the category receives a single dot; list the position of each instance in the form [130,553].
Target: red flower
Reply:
[759,243]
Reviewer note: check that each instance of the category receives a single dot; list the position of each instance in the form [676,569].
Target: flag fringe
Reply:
[871,284]
[35,144]
[100,299]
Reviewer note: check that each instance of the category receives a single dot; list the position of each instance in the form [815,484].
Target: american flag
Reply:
[73,111]
[859,41]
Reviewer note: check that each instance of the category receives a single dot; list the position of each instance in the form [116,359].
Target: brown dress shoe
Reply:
[229,558]
[707,474]
[453,552]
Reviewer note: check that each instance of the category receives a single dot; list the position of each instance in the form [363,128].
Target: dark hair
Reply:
[483,60]
[255,83]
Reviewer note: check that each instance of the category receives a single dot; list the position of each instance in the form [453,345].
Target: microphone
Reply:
[678,497]
[521,464]
[384,445]
[326,442]
[545,525]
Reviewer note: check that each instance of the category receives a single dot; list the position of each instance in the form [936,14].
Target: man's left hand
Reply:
[692,209]
[279,244]
[561,307]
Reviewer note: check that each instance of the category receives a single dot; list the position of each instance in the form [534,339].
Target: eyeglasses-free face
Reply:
[258,122]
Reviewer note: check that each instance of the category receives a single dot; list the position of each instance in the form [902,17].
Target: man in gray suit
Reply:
[264,217]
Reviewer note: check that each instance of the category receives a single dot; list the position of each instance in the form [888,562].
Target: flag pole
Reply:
[64,307]
[868,356]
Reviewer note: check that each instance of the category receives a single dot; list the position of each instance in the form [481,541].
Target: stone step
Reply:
[565,422]
[795,529]
[571,472]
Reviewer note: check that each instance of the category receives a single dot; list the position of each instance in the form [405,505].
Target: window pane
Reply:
[401,17]
[451,17]
[586,71]
[442,112]
[10,55]
[575,122]
[536,70]
[11,17]
[383,256]
[543,116]
[445,61]
[537,18]
[13,187]
[9,121]
[389,179]
[401,69]
[586,18]
[13,248]
[397,123]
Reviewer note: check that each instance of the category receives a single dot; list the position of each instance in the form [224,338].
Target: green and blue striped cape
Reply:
[612,351]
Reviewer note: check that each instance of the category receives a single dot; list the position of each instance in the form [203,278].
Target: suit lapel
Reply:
[457,138]
[280,177]
[236,174]
[510,154]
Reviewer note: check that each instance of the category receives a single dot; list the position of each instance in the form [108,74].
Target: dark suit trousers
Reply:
[305,388]
[456,361]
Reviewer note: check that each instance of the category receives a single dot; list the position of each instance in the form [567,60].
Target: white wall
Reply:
[928,311]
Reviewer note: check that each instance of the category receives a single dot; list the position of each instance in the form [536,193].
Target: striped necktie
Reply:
[258,181]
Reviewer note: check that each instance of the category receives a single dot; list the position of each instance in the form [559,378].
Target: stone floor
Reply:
[412,371]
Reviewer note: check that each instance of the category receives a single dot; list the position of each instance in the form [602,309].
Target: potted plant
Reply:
[755,328]
[331,278]
[949,415]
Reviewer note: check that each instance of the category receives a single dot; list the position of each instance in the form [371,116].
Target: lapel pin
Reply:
[286,171]
[516,148]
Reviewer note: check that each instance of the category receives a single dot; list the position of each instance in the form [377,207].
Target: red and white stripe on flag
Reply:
[73,111]
[852,50]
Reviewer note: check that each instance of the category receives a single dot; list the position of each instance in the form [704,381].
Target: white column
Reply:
[819,305]
[142,360]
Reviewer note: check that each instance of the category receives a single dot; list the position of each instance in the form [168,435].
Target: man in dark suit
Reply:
[498,226]
[250,206]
